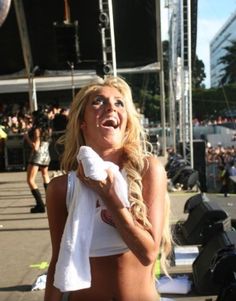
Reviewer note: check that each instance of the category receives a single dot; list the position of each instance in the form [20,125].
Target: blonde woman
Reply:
[126,240]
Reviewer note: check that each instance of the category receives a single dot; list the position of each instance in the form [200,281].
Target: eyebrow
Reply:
[102,95]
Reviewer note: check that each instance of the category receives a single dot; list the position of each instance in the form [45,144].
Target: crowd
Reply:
[213,121]
[220,166]
[17,119]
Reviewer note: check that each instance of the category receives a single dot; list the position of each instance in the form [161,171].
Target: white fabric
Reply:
[73,267]
[176,285]
[106,239]
[95,168]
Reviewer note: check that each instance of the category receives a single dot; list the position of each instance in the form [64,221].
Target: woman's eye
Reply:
[120,103]
[98,101]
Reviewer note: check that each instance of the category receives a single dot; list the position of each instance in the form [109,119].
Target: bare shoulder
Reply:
[59,183]
[57,188]
[154,167]
[154,187]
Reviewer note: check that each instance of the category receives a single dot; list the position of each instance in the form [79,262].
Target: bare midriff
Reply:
[118,278]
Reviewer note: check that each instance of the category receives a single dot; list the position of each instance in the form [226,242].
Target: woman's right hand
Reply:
[104,188]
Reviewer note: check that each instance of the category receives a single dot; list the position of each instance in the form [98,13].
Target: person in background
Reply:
[232,174]
[38,138]
[126,241]
[3,137]
[60,120]
[225,179]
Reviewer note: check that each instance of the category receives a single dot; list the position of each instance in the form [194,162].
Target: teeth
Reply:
[112,120]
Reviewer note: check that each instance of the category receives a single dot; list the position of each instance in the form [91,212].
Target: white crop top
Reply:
[106,240]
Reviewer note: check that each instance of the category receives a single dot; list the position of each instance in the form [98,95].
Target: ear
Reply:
[83,125]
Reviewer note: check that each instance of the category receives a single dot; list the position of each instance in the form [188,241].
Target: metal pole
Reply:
[25,44]
[34,104]
[71,64]
[112,33]
[161,75]
[186,57]
[190,81]
[181,67]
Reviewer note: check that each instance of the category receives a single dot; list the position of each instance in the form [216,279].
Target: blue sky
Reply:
[212,14]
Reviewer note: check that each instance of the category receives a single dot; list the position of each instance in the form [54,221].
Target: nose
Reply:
[110,106]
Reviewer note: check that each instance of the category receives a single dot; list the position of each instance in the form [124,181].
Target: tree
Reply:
[198,68]
[229,61]
[210,103]
[199,74]
[146,86]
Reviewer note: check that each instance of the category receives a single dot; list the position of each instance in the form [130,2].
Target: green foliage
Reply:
[229,61]
[209,103]
[198,74]
[145,89]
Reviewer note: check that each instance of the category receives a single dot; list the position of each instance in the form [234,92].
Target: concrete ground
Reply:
[25,243]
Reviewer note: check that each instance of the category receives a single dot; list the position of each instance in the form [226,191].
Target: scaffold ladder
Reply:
[106,27]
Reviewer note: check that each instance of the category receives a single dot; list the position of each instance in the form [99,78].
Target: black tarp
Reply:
[135,34]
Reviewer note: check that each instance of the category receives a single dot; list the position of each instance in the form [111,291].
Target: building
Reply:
[223,38]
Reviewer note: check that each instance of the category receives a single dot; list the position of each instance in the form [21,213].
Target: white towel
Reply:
[95,168]
[73,266]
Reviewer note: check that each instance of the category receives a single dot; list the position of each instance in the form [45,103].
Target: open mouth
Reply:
[110,123]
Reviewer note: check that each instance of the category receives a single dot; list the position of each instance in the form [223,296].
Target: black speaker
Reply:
[199,160]
[192,202]
[215,265]
[67,43]
[204,220]
[228,293]
[187,177]
[130,28]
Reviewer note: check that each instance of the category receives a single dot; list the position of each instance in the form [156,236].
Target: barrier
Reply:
[14,152]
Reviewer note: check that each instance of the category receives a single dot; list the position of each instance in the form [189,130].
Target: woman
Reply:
[38,138]
[103,117]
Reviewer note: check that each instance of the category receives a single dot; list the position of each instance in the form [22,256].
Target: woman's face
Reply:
[105,119]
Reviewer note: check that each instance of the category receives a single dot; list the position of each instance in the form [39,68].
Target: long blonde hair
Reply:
[136,148]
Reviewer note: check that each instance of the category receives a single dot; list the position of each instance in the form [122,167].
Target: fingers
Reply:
[94,184]
[81,175]
[80,172]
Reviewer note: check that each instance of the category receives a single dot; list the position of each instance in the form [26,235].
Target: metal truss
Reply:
[106,27]
[180,71]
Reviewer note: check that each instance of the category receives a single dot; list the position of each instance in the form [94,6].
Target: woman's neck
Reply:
[114,155]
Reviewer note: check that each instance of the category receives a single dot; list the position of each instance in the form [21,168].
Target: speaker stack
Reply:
[204,221]
[214,267]
[209,227]
[199,160]
[180,173]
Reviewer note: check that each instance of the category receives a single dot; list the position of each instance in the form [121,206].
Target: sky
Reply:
[212,14]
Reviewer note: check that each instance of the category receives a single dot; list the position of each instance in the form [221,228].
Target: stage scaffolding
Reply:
[180,74]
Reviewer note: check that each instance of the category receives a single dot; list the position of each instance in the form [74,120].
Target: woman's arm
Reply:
[57,215]
[143,243]
[35,142]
